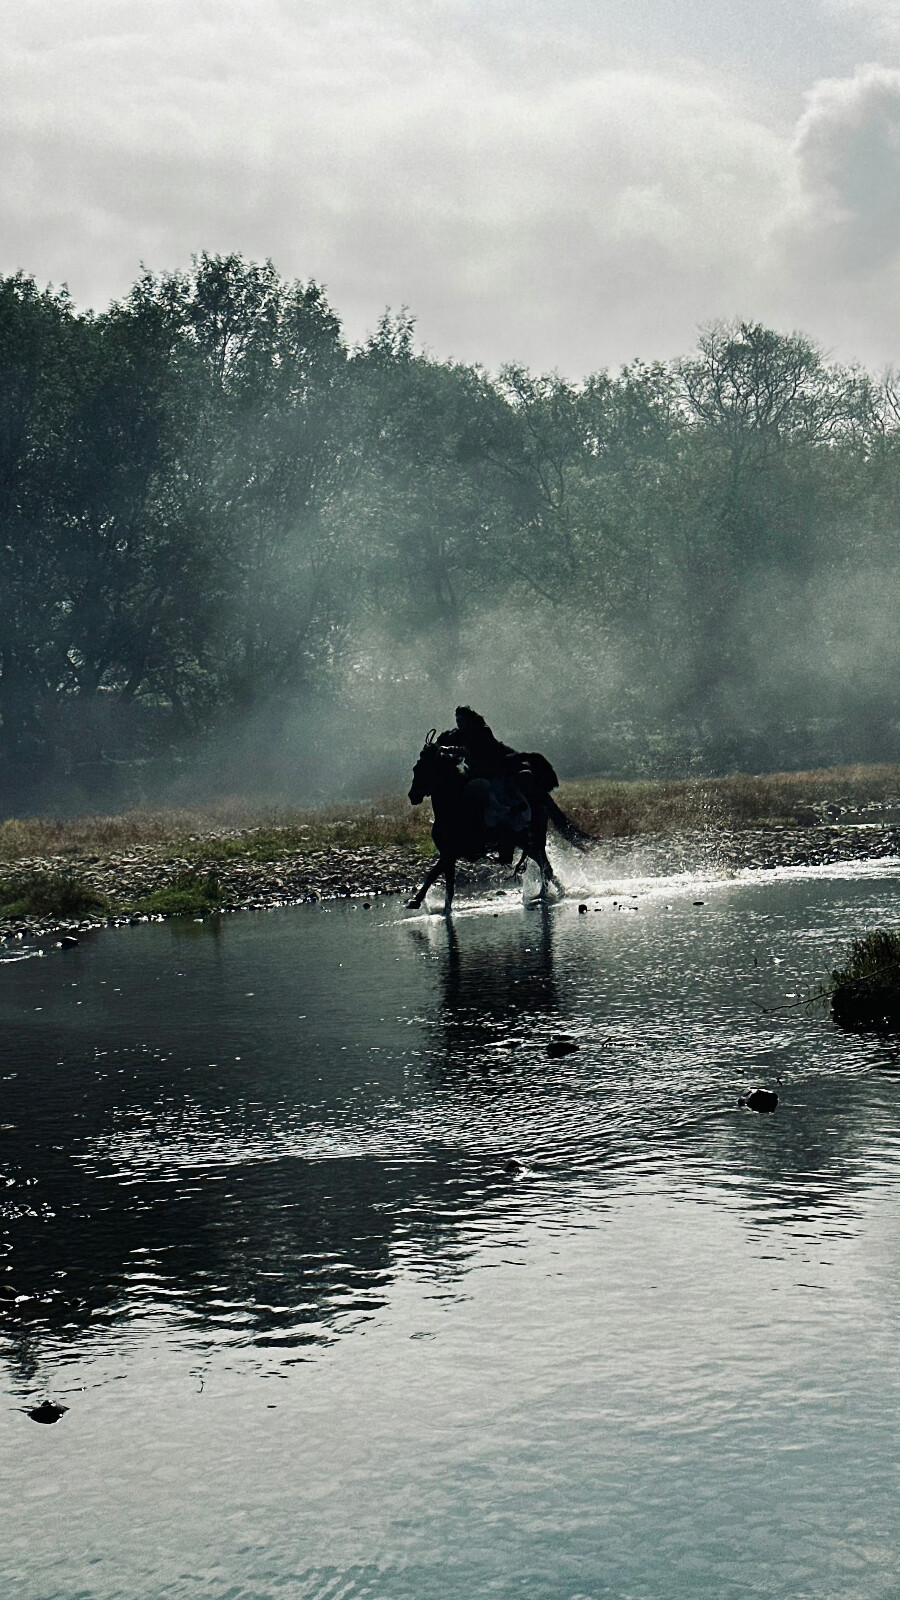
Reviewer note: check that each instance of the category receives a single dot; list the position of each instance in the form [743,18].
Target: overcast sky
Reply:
[565,183]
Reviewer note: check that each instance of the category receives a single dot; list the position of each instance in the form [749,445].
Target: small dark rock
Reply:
[512,1166]
[759,1100]
[46,1412]
[67,940]
[699,902]
[561,1047]
[582,909]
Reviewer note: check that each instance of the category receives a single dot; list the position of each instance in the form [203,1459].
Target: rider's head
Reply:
[469,721]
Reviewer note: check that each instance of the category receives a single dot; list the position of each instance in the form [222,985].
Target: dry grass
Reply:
[779,799]
[238,829]
[225,830]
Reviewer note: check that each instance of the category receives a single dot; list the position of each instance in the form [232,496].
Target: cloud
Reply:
[847,150]
[553,219]
[533,191]
[839,236]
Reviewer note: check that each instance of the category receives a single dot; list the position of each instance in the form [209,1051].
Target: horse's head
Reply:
[424,769]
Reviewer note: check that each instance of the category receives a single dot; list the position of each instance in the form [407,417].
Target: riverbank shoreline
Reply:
[128,879]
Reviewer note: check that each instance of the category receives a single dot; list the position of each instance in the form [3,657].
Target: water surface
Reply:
[351,1289]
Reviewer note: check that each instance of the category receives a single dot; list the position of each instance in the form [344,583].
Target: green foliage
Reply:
[873,959]
[49,894]
[208,504]
[866,992]
[188,895]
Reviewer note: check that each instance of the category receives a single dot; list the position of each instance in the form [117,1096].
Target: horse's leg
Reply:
[450,881]
[537,849]
[536,854]
[433,873]
[545,865]
[520,864]
[540,840]
[548,876]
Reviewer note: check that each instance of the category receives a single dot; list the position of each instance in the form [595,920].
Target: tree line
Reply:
[216,513]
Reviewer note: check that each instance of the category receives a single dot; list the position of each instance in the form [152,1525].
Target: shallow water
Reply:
[315,1339]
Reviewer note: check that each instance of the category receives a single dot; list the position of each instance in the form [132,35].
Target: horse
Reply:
[468,822]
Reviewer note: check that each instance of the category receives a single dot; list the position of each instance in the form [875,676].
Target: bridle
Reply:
[436,757]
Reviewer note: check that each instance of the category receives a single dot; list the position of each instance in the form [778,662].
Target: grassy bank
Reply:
[67,896]
[93,869]
[234,854]
[233,830]
[40,894]
[227,830]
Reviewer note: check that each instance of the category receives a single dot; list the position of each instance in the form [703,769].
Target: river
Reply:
[350,1287]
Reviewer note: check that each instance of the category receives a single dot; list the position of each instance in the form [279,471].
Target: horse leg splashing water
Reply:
[448,868]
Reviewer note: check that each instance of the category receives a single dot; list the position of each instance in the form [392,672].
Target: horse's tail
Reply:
[568,829]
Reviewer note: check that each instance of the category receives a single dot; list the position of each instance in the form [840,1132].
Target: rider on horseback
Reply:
[486,796]
[509,777]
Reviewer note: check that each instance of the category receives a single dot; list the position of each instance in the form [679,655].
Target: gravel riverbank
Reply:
[369,870]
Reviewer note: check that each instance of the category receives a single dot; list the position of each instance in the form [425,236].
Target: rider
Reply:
[506,774]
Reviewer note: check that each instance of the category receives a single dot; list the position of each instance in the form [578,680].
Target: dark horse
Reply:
[463,826]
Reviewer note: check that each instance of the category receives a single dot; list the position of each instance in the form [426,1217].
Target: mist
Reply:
[242,557]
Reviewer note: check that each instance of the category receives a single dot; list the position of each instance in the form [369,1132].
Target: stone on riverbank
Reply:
[47,1412]
[764,1100]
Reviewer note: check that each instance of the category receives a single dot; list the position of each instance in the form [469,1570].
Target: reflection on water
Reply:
[493,992]
[280,1149]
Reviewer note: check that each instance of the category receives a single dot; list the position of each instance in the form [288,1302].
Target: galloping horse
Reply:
[464,828]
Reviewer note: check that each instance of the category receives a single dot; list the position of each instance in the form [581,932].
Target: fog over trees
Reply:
[237,555]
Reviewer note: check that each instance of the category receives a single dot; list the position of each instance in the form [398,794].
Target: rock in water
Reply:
[47,1412]
[760,1100]
[561,1047]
